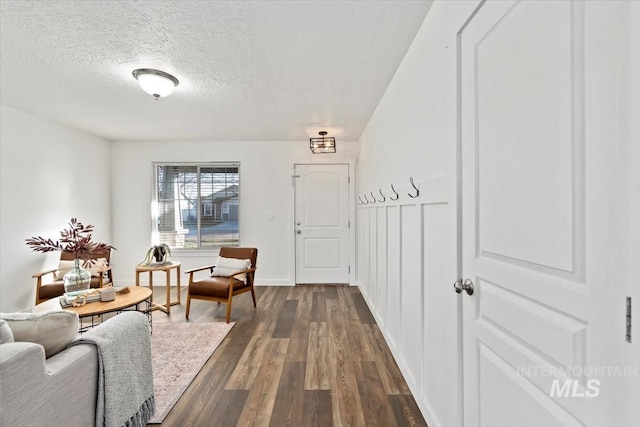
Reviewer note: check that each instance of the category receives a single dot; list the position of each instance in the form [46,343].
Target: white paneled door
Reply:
[546,184]
[322,223]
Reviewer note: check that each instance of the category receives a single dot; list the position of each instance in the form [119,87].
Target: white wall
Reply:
[407,250]
[266,169]
[49,173]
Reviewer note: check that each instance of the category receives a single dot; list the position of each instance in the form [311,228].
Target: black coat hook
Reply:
[366,202]
[383,196]
[394,190]
[416,188]
[360,202]
[372,196]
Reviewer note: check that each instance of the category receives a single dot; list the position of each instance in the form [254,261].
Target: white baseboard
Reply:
[273,282]
[184,284]
[268,282]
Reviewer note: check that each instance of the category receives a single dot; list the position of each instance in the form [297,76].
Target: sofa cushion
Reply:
[225,267]
[52,330]
[6,336]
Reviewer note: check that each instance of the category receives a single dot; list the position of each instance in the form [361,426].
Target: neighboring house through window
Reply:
[197,205]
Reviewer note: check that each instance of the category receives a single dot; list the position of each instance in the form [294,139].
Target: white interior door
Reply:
[546,190]
[322,223]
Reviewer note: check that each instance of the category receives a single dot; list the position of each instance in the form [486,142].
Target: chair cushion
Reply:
[215,287]
[55,289]
[51,290]
[65,266]
[96,268]
[240,253]
[226,267]
[52,330]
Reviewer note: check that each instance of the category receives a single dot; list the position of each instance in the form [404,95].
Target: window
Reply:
[196,205]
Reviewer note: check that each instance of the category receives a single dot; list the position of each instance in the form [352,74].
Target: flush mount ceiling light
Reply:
[322,144]
[156,83]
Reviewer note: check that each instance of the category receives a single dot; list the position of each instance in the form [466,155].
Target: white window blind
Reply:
[197,205]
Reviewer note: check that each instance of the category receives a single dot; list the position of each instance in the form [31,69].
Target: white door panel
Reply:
[322,219]
[548,303]
[519,69]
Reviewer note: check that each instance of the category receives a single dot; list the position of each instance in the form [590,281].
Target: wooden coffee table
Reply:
[95,310]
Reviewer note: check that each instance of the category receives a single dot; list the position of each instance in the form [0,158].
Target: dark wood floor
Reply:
[307,356]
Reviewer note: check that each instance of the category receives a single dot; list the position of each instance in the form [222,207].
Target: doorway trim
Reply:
[351,205]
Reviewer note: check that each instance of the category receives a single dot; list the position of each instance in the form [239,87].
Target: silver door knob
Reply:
[460,286]
[298,223]
[468,286]
[298,232]
[457,286]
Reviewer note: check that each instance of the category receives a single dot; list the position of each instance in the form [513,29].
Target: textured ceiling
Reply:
[248,70]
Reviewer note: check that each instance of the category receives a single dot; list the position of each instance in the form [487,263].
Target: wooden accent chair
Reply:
[55,288]
[221,288]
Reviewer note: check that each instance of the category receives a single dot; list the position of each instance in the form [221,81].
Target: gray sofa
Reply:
[56,384]
[58,391]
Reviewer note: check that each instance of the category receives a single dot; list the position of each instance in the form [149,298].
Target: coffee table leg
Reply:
[147,312]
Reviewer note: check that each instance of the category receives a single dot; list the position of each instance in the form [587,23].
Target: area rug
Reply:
[179,351]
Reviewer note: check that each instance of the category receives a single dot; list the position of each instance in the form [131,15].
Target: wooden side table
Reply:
[167,269]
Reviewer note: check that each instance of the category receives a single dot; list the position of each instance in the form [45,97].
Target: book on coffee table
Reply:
[68,298]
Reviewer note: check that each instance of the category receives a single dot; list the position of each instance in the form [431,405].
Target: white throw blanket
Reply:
[125,374]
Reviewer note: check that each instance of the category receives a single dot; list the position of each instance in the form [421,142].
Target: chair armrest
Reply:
[243,272]
[37,275]
[21,352]
[101,273]
[193,270]
[104,269]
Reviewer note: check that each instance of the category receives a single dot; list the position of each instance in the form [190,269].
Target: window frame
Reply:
[155,234]
[207,209]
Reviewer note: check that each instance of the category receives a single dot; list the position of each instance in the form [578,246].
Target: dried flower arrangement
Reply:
[76,240]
